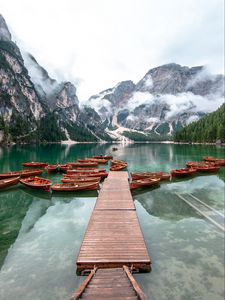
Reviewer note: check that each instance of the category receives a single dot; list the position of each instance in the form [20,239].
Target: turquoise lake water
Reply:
[41,233]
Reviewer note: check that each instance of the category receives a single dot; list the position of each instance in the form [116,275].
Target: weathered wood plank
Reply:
[113,236]
[117,283]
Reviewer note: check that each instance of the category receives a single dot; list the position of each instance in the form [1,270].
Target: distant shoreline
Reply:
[115,143]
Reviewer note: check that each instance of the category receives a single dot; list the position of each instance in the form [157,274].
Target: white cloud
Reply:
[139,98]
[192,119]
[188,101]
[148,81]
[98,43]
[177,104]
[132,118]
[153,120]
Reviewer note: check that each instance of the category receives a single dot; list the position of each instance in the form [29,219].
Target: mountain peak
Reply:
[5,34]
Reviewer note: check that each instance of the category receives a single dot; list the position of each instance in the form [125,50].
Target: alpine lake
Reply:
[41,232]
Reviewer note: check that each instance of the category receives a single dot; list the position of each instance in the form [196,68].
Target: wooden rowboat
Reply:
[209,158]
[81,179]
[64,167]
[89,174]
[52,168]
[103,157]
[146,182]
[118,167]
[72,187]
[183,172]
[220,162]
[23,174]
[34,164]
[37,183]
[100,161]
[85,171]
[83,164]
[85,160]
[216,161]
[141,175]
[117,162]
[194,164]
[210,169]
[9,182]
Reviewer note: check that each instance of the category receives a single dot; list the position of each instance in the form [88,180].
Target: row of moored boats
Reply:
[84,174]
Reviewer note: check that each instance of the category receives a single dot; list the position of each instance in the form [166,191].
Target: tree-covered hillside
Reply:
[208,129]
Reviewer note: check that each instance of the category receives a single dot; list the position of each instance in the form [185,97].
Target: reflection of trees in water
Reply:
[13,156]
[166,206]
[13,208]
[221,174]
[14,205]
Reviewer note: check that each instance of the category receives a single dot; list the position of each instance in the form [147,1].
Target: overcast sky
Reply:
[97,43]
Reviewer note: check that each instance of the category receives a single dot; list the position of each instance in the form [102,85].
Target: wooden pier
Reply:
[114,237]
[110,284]
[113,245]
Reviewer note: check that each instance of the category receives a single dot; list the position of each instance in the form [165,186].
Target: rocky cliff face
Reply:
[165,99]
[35,107]
[75,123]
[20,106]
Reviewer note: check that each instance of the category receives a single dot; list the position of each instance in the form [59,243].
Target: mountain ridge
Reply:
[37,108]
[166,98]
[30,101]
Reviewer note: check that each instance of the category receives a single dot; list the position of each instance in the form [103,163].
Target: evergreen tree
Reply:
[208,129]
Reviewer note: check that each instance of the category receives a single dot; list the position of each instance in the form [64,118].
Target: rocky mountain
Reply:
[165,99]
[35,107]
[20,106]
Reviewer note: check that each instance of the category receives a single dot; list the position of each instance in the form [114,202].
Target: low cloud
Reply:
[38,75]
[139,98]
[102,106]
[192,119]
[176,104]
[148,82]
[201,76]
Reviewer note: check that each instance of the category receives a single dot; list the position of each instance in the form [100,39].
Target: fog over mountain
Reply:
[36,107]
[166,98]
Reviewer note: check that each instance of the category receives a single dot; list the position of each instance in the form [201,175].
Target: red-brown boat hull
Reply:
[52,168]
[35,164]
[209,169]
[37,183]
[8,182]
[161,175]
[83,164]
[72,187]
[183,172]
[118,167]
[147,182]
[22,174]
[81,179]
[103,157]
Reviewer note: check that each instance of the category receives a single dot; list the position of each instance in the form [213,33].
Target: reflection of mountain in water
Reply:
[165,205]
[14,156]
[69,196]
[12,212]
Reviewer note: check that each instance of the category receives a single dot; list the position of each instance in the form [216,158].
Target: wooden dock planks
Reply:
[117,283]
[113,237]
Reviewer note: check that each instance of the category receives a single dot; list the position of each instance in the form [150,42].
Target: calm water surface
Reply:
[40,234]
